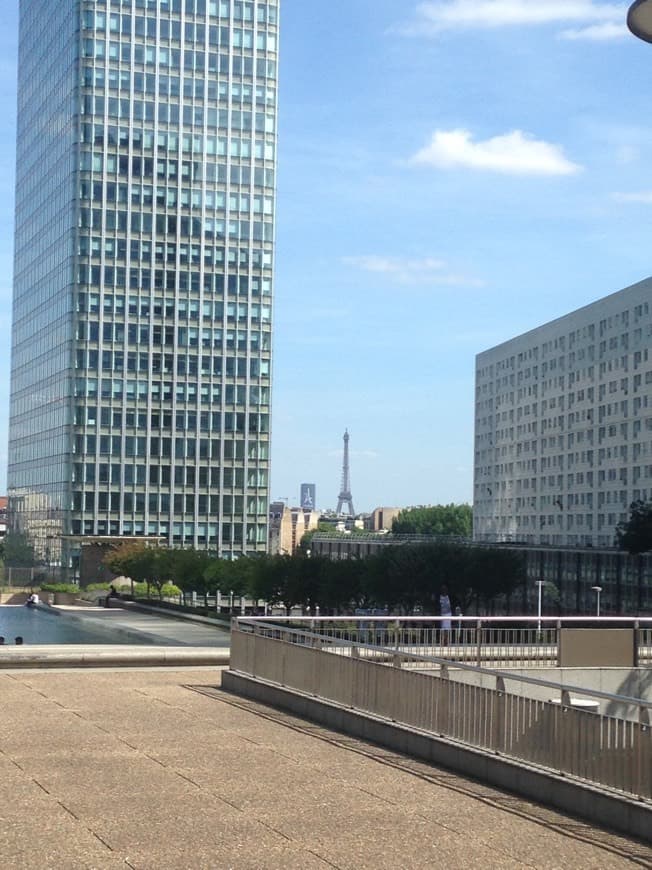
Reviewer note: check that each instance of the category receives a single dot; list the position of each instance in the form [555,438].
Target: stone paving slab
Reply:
[134,768]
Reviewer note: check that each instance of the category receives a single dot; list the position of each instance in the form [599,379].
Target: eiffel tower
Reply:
[345,497]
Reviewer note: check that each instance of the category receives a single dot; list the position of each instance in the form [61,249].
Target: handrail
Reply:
[449,663]
[634,620]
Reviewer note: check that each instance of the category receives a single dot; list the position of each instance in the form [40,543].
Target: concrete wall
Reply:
[13,597]
[597,647]
[633,682]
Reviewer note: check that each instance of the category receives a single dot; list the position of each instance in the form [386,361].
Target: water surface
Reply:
[37,625]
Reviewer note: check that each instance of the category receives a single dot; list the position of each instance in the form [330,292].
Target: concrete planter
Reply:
[64,597]
[13,597]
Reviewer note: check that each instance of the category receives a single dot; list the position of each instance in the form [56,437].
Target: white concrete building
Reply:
[563,425]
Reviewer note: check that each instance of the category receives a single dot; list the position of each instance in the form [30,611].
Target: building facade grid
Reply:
[141,345]
[563,425]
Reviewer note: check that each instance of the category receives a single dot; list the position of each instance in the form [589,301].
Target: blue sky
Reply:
[450,174]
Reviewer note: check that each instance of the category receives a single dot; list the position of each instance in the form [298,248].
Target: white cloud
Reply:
[396,265]
[642,196]
[434,16]
[513,153]
[406,270]
[605,32]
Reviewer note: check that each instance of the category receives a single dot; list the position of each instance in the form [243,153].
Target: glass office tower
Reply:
[141,344]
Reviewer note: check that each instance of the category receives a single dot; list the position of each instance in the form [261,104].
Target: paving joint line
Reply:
[622,848]
[169,768]
[215,794]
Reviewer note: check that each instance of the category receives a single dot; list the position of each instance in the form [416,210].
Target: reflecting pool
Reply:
[37,625]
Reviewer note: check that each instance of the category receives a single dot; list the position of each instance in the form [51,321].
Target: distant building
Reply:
[3,516]
[287,526]
[563,425]
[308,500]
[572,572]
[381,519]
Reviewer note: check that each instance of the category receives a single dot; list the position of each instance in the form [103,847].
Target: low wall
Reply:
[13,597]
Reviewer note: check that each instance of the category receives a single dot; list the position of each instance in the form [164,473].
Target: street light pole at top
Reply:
[639,19]
[540,584]
[597,590]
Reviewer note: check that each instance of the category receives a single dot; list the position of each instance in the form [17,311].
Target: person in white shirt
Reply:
[445,609]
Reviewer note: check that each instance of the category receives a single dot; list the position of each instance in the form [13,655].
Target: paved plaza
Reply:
[158,768]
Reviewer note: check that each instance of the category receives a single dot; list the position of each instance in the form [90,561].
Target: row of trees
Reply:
[635,535]
[399,578]
[440,519]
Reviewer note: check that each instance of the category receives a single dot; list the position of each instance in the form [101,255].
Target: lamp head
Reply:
[639,19]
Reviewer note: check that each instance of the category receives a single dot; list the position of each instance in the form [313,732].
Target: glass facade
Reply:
[141,351]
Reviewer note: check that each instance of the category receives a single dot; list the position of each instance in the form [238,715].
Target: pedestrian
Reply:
[113,593]
[445,610]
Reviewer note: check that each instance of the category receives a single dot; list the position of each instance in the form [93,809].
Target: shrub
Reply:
[72,588]
[169,590]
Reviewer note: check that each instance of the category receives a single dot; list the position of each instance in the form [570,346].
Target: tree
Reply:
[322,529]
[635,534]
[491,572]
[412,577]
[188,569]
[160,566]
[235,577]
[340,583]
[133,560]
[275,579]
[18,550]
[403,577]
[441,519]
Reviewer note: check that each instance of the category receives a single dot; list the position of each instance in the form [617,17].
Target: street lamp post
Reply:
[597,590]
[540,584]
[639,19]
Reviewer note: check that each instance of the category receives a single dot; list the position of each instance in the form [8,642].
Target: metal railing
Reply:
[613,751]
[517,641]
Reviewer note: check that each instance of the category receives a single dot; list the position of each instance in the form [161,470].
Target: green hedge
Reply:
[72,588]
[169,590]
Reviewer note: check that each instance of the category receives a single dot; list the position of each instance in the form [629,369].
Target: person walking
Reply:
[445,610]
